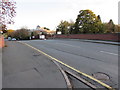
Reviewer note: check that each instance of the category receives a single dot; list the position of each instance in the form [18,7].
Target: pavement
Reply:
[102,42]
[0,68]
[24,67]
[1,46]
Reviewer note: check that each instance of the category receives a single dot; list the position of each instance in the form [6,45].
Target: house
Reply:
[42,30]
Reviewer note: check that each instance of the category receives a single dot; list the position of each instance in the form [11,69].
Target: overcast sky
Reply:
[49,13]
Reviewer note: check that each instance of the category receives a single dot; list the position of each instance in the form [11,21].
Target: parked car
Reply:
[13,39]
[9,38]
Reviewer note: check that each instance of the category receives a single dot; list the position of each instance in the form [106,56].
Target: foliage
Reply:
[34,33]
[64,27]
[117,28]
[87,22]
[7,12]
[111,26]
[3,28]
[21,34]
[10,33]
[46,28]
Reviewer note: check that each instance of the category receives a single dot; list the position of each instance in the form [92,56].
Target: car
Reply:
[9,38]
[13,39]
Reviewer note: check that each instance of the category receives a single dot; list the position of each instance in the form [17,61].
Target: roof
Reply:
[45,30]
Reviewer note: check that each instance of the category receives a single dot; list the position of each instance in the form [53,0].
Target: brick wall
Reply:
[112,37]
[1,41]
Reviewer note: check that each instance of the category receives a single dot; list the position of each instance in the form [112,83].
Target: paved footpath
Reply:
[25,68]
[1,45]
[0,68]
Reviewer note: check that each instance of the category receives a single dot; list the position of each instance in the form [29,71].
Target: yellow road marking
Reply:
[103,84]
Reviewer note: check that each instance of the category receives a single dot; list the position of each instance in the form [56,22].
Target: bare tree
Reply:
[7,12]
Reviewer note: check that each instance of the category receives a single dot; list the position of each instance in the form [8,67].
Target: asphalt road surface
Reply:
[87,57]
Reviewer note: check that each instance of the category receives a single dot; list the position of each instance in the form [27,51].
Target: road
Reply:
[87,57]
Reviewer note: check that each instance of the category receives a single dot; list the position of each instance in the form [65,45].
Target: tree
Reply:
[22,34]
[3,28]
[117,28]
[87,22]
[34,33]
[111,26]
[46,28]
[71,26]
[64,27]
[99,25]
[10,33]
[7,12]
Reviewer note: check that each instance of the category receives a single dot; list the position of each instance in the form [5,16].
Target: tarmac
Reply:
[96,41]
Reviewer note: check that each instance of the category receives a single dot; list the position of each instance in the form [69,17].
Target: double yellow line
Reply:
[92,78]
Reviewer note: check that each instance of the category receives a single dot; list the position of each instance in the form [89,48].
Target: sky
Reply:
[49,13]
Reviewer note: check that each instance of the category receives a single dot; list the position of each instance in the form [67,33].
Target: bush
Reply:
[21,34]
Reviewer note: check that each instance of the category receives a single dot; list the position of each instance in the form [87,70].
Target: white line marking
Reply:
[108,52]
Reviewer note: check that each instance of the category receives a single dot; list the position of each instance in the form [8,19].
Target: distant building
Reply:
[38,27]
[41,30]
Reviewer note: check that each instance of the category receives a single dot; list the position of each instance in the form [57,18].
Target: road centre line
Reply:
[108,53]
[84,74]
